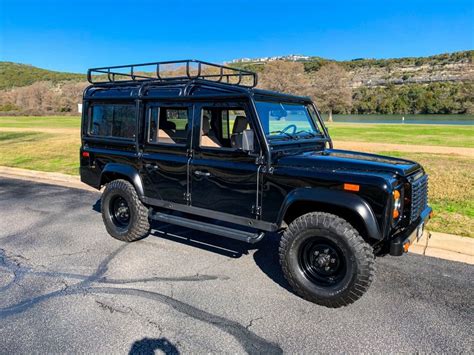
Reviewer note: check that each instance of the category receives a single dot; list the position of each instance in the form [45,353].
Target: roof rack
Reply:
[177,70]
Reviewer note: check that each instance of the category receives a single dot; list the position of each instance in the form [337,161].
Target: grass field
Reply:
[440,135]
[40,122]
[52,144]
[40,151]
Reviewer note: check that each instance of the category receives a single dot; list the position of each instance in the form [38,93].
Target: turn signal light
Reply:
[396,195]
[351,187]
[396,204]
[395,214]
[406,245]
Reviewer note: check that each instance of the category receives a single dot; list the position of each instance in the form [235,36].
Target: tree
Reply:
[331,89]
[43,97]
[288,77]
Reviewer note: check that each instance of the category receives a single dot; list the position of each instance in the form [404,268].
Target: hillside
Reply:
[16,75]
[439,84]
[448,67]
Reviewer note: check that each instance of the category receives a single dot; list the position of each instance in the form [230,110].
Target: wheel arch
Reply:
[114,171]
[351,207]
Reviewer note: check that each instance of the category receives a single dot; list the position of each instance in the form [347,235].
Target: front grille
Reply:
[419,197]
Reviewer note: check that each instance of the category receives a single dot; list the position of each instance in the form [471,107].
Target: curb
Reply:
[445,246]
[45,177]
[438,245]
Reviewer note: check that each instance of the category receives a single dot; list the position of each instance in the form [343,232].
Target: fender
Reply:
[335,198]
[125,170]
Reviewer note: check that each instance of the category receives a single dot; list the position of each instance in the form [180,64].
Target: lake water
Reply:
[409,119]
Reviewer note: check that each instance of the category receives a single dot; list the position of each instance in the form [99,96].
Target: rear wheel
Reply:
[325,259]
[124,215]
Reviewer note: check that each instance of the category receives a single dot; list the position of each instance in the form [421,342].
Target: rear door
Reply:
[165,151]
[109,134]
[223,177]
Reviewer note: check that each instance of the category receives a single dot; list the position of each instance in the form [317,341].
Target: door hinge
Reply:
[260,160]
[187,197]
[270,171]
[257,210]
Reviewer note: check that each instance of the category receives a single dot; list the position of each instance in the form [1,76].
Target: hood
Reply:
[334,159]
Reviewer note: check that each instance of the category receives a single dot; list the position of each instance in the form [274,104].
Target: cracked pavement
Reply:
[66,286]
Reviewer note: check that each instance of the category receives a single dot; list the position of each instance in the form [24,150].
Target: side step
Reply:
[248,237]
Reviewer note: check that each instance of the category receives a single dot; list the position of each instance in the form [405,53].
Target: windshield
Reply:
[285,121]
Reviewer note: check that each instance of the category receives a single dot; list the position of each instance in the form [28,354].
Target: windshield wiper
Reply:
[283,132]
[310,134]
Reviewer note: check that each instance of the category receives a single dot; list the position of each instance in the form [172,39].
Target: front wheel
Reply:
[325,259]
[124,215]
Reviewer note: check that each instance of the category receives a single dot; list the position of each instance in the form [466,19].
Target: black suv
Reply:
[195,144]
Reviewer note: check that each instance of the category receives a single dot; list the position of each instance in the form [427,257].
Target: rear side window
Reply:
[168,125]
[117,120]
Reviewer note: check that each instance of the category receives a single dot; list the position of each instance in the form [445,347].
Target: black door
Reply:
[223,176]
[165,151]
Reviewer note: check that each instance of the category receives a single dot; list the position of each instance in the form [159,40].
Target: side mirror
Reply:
[248,141]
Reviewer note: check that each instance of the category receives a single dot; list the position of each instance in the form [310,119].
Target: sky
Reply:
[73,35]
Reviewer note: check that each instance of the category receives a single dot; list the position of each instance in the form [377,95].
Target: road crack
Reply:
[94,283]
[69,254]
[112,309]
[252,321]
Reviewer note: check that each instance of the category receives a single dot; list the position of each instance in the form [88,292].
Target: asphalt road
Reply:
[66,286]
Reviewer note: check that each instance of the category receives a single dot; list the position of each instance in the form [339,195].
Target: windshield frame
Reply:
[321,134]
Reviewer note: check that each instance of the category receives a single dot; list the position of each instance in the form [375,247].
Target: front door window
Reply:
[223,127]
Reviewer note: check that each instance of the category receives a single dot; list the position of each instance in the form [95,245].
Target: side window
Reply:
[223,127]
[168,125]
[113,121]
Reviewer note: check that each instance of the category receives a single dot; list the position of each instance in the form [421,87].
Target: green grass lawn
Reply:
[40,151]
[440,135]
[40,122]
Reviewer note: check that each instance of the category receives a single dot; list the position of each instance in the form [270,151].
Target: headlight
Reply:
[397,204]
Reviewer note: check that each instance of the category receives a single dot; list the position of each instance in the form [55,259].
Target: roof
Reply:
[181,91]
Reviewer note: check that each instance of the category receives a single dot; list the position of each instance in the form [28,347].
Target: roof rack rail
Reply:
[182,70]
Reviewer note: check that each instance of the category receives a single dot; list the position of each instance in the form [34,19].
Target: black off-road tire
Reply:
[138,225]
[355,268]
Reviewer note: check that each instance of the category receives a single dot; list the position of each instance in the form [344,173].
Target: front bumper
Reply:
[400,244]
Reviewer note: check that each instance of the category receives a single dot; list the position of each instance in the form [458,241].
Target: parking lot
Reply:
[66,286]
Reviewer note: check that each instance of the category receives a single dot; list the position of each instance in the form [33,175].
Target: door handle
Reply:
[202,173]
[151,166]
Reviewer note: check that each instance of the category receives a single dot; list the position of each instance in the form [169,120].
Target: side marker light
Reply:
[351,187]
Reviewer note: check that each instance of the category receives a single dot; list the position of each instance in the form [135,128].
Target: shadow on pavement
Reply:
[265,256]
[147,346]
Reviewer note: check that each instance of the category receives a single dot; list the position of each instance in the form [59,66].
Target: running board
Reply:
[248,237]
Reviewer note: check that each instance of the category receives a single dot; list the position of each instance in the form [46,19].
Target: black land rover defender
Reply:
[198,146]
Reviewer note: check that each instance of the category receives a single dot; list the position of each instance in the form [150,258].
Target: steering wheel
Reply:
[287,128]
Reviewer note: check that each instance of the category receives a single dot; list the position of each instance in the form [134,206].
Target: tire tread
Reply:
[363,251]
[141,228]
